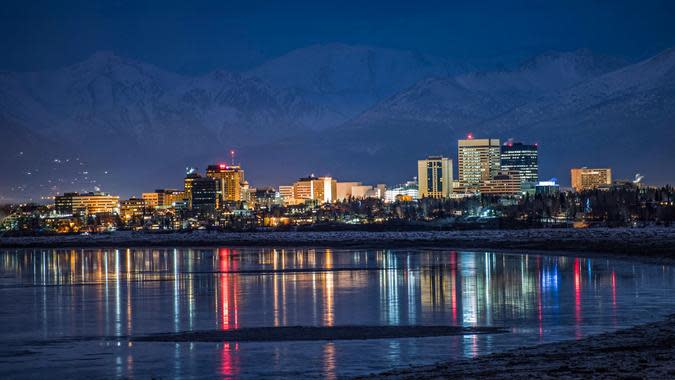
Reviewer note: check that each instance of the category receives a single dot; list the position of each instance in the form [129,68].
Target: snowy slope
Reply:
[349,79]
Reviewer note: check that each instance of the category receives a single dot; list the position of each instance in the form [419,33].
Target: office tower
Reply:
[87,203]
[435,177]
[477,161]
[321,189]
[588,179]
[521,158]
[230,179]
[190,177]
[205,196]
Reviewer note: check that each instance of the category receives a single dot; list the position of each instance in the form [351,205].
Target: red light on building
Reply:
[222,166]
[469,136]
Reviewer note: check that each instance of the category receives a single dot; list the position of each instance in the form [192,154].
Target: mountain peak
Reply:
[583,61]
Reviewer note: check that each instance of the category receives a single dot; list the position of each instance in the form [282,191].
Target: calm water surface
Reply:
[67,313]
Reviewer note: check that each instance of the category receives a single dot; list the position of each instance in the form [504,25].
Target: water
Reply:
[67,313]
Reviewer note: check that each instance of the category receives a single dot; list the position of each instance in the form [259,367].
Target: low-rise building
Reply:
[87,203]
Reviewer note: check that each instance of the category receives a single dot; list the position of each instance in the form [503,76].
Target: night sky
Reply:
[194,38]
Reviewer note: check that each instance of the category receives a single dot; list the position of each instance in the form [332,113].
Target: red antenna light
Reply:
[469,136]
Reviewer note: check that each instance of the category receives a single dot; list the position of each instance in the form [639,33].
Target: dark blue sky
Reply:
[191,36]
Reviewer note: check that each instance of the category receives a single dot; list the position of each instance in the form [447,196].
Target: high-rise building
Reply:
[190,177]
[589,179]
[477,161]
[230,180]
[435,177]
[87,203]
[205,196]
[321,189]
[521,158]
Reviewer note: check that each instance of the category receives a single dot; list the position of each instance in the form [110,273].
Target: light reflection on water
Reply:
[51,294]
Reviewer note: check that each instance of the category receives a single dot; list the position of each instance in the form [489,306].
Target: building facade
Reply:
[190,177]
[132,209]
[407,191]
[205,196]
[87,203]
[230,179]
[504,183]
[478,160]
[321,189]
[589,179]
[521,158]
[434,176]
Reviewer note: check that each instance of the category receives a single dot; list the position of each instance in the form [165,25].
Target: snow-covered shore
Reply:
[641,352]
[647,242]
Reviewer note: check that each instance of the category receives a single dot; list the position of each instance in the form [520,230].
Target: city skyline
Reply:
[356,92]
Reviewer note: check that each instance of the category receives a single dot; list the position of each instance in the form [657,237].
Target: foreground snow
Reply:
[641,352]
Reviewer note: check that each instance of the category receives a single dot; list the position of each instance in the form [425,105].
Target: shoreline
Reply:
[652,244]
[642,351]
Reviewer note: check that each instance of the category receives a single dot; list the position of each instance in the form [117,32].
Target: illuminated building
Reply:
[589,179]
[287,194]
[321,189]
[407,191]
[344,190]
[171,196]
[230,179]
[434,177]
[164,198]
[521,158]
[190,177]
[478,161]
[205,196]
[265,197]
[132,209]
[88,203]
[357,190]
[151,199]
[547,187]
[503,183]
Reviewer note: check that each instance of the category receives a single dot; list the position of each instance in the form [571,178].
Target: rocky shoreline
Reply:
[641,352]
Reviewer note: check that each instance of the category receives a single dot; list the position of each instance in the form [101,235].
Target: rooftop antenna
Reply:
[232,156]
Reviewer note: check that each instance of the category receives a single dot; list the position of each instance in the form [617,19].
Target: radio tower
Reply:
[232,156]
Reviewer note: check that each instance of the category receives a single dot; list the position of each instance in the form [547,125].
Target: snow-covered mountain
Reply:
[119,111]
[115,114]
[461,101]
[583,110]
[349,79]
[624,119]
